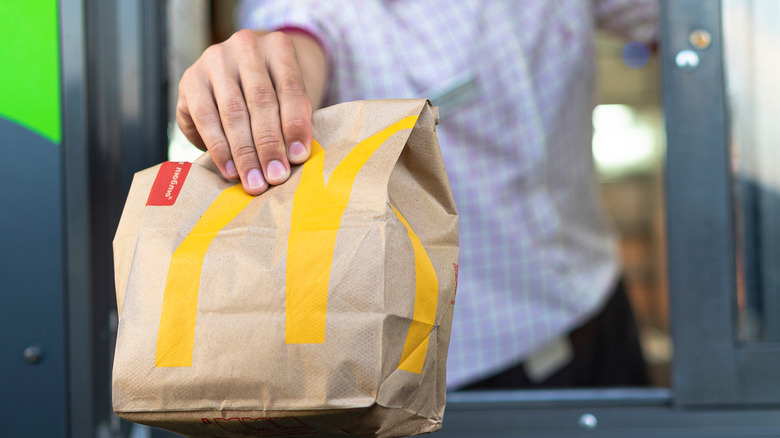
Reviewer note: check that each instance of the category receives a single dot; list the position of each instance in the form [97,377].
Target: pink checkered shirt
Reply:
[515,85]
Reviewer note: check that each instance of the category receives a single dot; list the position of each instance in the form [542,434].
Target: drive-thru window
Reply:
[104,115]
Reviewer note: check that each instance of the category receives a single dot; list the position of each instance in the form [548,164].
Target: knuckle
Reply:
[181,107]
[292,86]
[280,39]
[233,109]
[245,48]
[213,53]
[216,143]
[191,79]
[267,140]
[244,155]
[243,36]
[262,96]
[295,125]
[204,116]
[243,42]
[214,60]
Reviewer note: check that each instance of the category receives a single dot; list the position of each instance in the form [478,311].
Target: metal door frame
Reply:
[114,86]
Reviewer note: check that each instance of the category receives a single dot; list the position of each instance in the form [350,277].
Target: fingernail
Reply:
[297,151]
[230,169]
[255,179]
[276,170]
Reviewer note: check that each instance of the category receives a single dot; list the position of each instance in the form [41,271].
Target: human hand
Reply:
[246,102]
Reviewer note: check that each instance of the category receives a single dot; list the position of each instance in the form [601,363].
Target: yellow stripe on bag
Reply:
[426,299]
[316,218]
[176,335]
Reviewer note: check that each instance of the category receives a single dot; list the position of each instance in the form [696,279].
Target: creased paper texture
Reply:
[322,307]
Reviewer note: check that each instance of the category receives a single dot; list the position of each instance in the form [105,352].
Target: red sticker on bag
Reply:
[168,182]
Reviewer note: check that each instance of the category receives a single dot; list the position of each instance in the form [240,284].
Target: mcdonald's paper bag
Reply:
[320,308]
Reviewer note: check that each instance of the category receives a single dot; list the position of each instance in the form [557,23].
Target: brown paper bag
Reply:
[321,307]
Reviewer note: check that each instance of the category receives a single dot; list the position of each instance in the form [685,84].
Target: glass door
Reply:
[721,101]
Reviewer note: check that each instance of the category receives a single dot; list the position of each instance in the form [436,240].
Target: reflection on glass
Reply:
[628,149]
[752,68]
[622,141]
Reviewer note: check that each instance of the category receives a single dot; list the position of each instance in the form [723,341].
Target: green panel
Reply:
[30,65]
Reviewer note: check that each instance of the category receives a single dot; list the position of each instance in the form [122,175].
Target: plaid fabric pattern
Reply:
[537,255]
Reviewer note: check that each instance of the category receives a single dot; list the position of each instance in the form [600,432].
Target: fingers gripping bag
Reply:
[321,307]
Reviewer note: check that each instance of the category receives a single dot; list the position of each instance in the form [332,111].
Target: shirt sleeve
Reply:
[309,17]
[636,20]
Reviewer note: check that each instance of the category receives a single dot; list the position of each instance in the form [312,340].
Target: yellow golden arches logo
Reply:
[176,334]
[426,297]
[316,218]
